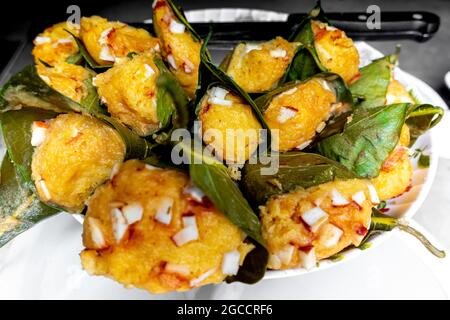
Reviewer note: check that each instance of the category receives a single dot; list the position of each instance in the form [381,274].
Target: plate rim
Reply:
[378,239]
[411,211]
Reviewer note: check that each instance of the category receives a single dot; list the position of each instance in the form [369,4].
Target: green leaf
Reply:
[254,266]
[296,170]
[165,107]
[210,75]
[424,161]
[414,97]
[86,55]
[367,140]
[382,223]
[47,65]
[306,62]
[302,31]
[76,58]
[136,146]
[91,102]
[172,104]
[226,61]
[16,130]
[214,181]
[382,205]
[333,127]
[26,88]
[212,178]
[131,54]
[421,118]
[20,209]
[373,82]
[373,133]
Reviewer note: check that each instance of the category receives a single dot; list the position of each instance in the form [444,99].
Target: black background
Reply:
[428,61]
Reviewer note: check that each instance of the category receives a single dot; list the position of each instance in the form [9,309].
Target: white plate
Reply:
[406,205]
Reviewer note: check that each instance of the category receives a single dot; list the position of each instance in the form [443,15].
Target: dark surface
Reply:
[429,61]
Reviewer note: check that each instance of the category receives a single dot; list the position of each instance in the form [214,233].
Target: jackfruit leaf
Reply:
[26,88]
[211,176]
[20,208]
[372,85]
[214,181]
[91,101]
[136,146]
[367,140]
[302,31]
[16,129]
[172,104]
[372,134]
[422,117]
[254,266]
[296,170]
[382,223]
[306,62]
[75,58]
[87,56]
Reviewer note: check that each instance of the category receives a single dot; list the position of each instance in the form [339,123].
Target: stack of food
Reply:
[89,130]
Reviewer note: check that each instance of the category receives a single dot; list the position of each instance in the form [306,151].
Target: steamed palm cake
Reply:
[55,44]
[336,51]
[51,50]
[68,79]
[179,48]
[305,226]
[229,125]
[259,67]
[150,228]
[396,173]
[300,112]
[130,93]
[74,154]
[108,41]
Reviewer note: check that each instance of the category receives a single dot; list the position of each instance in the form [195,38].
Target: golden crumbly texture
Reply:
[55,45]
[258,70]
[336,51]
[395,178]
[396,173]
[118,38]
[283,225]
[68,79]
[129,90]
[146,256]
[181,47]
[397,93]
[240,121]
[298,113]
[77,155]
